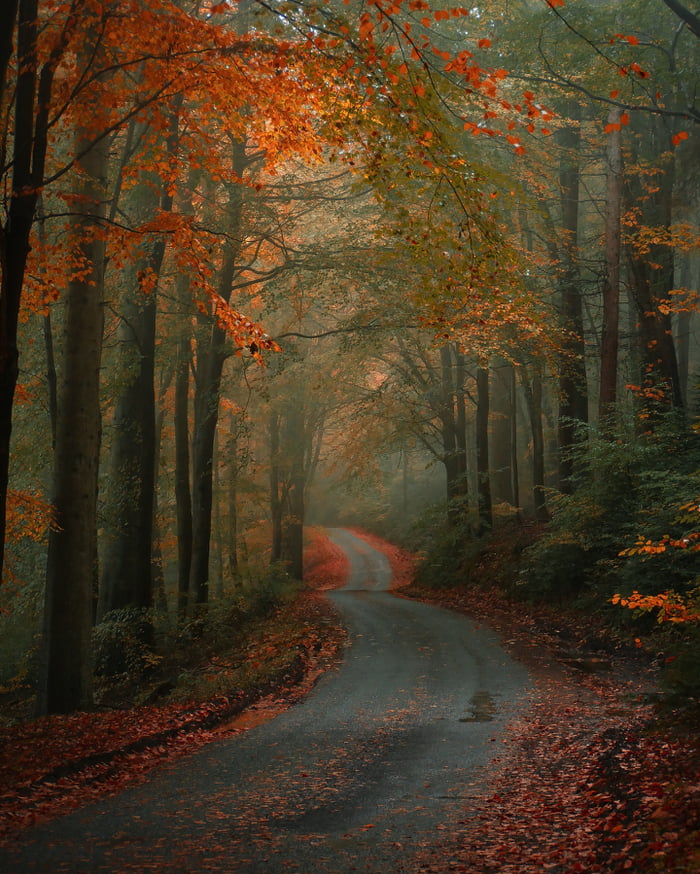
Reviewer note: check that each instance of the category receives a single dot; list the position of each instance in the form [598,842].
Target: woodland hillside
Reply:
[428,269]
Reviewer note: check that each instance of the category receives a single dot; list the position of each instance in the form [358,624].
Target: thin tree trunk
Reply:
[276,498]
[51,377]
[652,272]
[611,286]
[448,428]
[482,450]
[233,499]
[183,495]
[211,360]
[296,437]
[533,397]
[515,483]
[573,406]
[501,452]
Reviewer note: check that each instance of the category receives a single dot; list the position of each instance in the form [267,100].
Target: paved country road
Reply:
[359,776]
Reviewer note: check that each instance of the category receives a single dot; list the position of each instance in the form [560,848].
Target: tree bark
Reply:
[611,286]
[485,508]
[573,392]
[533,397]
[652,271]
[183,494]
[31,106]
[127,571]
[72,553]
[211,357]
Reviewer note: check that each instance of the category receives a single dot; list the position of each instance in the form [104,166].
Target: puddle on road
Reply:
[482,708]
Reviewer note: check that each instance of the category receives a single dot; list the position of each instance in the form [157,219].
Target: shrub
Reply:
[633,487]
[123,644]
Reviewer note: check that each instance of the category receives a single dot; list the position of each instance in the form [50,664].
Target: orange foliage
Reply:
[671,607]
[28,515]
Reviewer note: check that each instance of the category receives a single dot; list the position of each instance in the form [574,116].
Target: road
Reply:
[358,777]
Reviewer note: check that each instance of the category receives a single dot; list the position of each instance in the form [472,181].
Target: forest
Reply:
[268,266]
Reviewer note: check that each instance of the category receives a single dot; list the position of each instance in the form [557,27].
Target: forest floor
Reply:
[593,778]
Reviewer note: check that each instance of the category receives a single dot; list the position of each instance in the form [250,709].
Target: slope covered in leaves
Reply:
[53,764]
[592,778]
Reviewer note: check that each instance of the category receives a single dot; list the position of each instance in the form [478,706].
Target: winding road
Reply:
[358,777]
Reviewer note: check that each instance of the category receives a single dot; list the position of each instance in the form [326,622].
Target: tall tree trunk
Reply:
[501,453]
[127,559]
[461,423]
[72,555]
[160,598]
[296,437]
[482,450]
[211,358]
[532,386]
[183,494]
[233,565]
[651,271]
[611,286]
[276,485]
[573,405]
[32,102]
[448,428]
[127,578]
[452,415]
[514,472]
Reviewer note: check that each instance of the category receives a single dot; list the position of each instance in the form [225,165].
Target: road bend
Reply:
[361,776]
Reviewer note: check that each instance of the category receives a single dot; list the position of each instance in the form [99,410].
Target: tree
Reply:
[71,576]
[27,143]
[127,565]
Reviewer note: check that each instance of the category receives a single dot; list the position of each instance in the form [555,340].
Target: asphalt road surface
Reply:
[360,776]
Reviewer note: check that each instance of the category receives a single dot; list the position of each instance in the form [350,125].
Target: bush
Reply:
[448,550]
[123,644]
[634,486]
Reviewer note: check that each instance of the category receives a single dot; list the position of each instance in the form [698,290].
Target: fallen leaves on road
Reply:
[53,764]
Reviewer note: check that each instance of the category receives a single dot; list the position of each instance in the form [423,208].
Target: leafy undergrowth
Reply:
[53,764]
[592,778]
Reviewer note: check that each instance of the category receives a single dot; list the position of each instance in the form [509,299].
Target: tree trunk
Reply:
[514,472]
[211,357]
[611,286]
[651,270]
[233,564]
[501,452]
[533,397]
[127,560]
[296,437]
[482,450]
[72,554]
[276,483]
[183,494]
[573,392]
[28,158]
[452,415]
